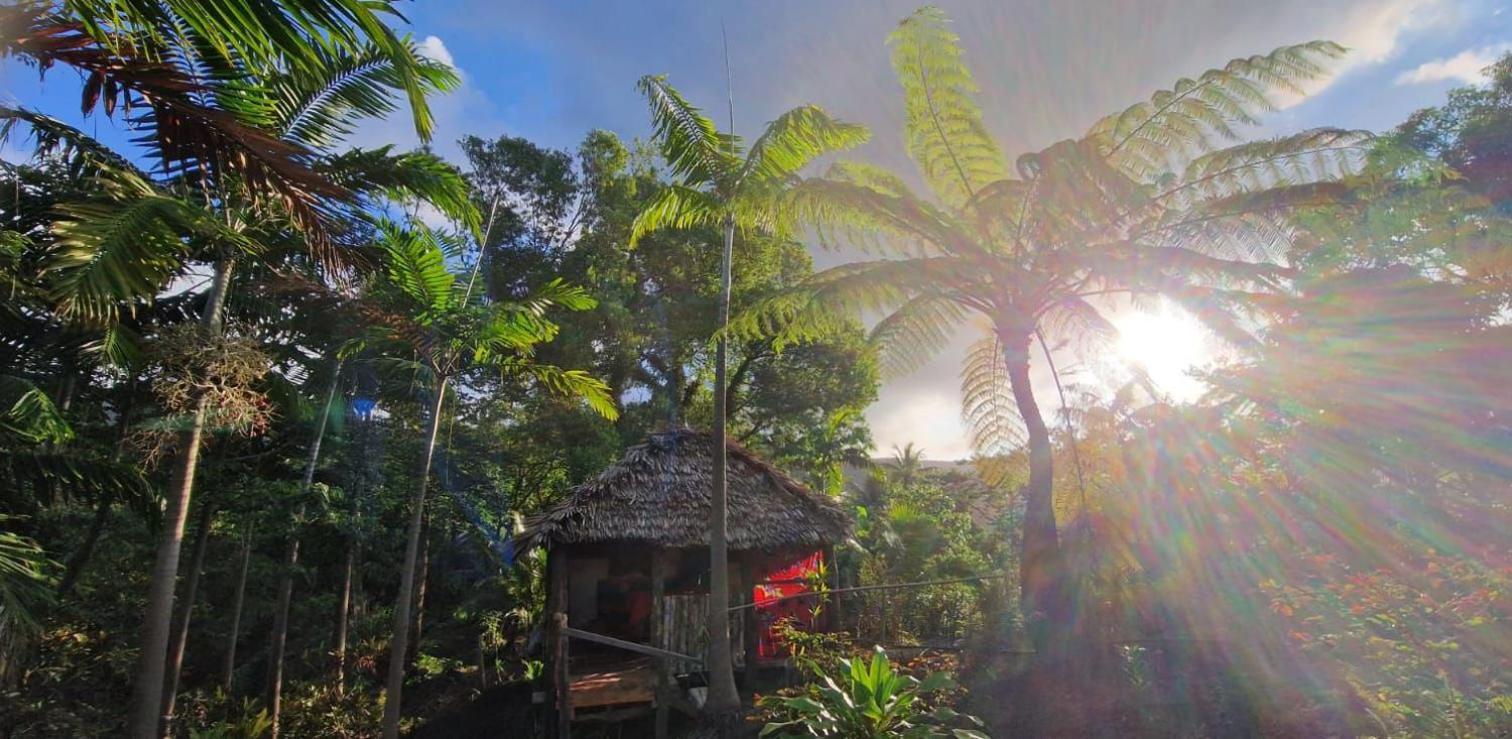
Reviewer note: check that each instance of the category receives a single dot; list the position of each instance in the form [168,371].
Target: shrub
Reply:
[870,699]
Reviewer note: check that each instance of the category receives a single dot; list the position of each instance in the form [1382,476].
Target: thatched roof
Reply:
[658,494]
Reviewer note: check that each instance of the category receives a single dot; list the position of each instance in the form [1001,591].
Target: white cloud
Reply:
[1468,66]
[434,48]
[1373,33]
[465,110]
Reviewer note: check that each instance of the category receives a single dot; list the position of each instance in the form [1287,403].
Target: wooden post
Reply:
[751,623]
[659,638]
[559,693]
[562,678]
[836,620]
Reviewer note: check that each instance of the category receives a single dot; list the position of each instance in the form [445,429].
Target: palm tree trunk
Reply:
[400,642]
[723,697]
[236,613]
[343,614]
[147,693]
[186,611]
[81,556]
[422,573]
[1039,559]
[291,561]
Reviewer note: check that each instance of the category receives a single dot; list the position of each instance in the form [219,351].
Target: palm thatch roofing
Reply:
[657,494]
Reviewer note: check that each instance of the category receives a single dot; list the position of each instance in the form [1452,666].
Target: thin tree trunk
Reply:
[400,642]
[236,613]
[81,556]
[420,578]
[186,612]
[291,561]
[147,693]
[343,614]
[1039,561]
[723,697]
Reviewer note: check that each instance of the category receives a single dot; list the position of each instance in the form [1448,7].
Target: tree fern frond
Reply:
[915,332]
[987,404]
[796,138]
[690,142]
[676,207]
[573,385]
[1185,121]
[1307,156]
[943,126]
[843,213]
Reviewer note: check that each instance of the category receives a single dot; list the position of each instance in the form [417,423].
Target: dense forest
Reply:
[275,411]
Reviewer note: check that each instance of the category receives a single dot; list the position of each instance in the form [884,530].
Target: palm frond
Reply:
[188,137]
[50,476]
[267,38]
[115,254]
[415,264]
[25,587]
[28,415]
[943,124]
[320,106]
[410,176]
[850,291]
[55,139]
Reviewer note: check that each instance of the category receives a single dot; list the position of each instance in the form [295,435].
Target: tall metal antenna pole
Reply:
[729,83]
[724,700]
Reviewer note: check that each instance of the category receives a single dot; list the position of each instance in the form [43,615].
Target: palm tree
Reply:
[280,635]
[717,186]
[1146,203]
[908,463]
[242,119]
[420,307]
[190,76]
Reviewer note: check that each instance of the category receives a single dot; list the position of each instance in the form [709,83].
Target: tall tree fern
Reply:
[1161,199]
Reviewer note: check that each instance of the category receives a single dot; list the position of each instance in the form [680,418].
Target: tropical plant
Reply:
[419,307]
[1146,203]
[717,186]
[243,127]
[871,699]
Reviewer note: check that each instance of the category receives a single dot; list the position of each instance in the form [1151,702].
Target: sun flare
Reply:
[1167,343]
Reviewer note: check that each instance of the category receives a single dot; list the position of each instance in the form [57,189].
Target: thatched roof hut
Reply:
[628,566]
[657,494]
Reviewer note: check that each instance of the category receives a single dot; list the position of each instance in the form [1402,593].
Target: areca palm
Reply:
[1156,200]
[244,131]
[719,185]
[419,307]
[188,75]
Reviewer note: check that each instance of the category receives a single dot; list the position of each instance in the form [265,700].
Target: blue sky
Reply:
[552,71]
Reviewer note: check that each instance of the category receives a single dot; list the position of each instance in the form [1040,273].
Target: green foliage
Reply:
[871,699]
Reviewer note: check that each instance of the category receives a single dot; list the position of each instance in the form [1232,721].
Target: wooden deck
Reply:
[602,681]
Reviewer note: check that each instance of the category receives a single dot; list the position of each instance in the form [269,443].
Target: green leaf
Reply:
[943,126]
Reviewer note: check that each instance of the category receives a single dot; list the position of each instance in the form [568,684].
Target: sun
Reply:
[1167,342]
